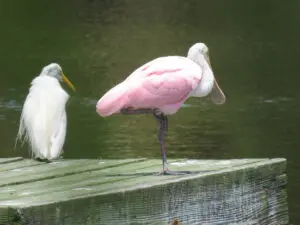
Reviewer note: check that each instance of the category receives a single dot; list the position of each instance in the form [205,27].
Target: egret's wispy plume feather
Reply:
[43,119]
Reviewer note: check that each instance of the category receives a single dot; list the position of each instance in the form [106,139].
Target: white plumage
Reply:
[43,120]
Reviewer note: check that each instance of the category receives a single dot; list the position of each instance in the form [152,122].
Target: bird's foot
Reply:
[170,172]
[166,171]
[43,160]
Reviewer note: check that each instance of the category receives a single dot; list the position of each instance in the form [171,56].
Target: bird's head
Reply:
[199,53]
[54,70]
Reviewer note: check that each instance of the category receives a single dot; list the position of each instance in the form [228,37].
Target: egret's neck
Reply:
[207,81]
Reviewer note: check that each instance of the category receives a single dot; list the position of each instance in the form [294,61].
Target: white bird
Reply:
[43,120]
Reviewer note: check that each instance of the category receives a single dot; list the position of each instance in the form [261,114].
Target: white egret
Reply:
[43,120]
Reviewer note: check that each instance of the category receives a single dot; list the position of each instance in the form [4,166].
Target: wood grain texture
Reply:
[239,191]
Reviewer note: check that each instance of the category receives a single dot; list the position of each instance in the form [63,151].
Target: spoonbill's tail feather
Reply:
[114,100]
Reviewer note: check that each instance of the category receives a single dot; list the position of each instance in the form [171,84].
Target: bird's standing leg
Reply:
[163,128]
[163,121]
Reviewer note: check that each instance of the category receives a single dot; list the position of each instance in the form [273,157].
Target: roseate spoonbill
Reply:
[161,86]
[43,120]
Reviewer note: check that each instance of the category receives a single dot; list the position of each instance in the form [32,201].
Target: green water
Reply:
[255,56]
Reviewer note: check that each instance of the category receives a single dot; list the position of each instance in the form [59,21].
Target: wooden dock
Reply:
[123,192]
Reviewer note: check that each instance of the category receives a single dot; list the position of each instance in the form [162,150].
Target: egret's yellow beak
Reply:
[66,80]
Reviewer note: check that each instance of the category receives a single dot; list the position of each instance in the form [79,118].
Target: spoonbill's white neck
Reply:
[208,84]
[207,80]
[199,54]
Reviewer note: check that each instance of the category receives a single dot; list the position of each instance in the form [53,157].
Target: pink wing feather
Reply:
[163,91]
[161,84]
[113,100]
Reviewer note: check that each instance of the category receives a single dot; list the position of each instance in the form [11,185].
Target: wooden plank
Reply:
[101,176]
[20,164]
[131,192]
[56,169]
[8,160]
[132,170]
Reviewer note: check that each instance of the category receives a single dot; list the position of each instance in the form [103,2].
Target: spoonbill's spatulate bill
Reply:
[43,120]
[161,86]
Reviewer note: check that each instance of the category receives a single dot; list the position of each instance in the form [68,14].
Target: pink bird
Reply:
[161,86]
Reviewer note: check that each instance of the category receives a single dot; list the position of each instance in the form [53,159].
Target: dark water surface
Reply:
[254,46]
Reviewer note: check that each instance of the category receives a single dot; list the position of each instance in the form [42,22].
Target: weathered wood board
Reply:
[240,191]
